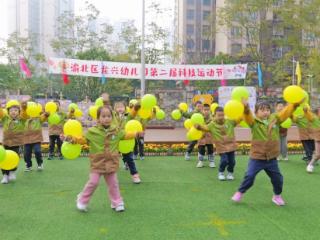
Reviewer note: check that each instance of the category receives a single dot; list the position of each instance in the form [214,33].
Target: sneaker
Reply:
[134,157]
[119,208]
[12,176]
[237,197]
[125,166]
[286,158]
[61,158]
[279,158]
[200,164]
[50,158]
[230,176]
[80,206]
[310,168]
[142,158]
[187,156]
[40,167]
[221,176]
[136,178]
[28,169]
[277,199]
[5,179]
[212,164]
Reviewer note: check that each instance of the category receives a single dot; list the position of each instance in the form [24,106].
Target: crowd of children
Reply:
[269,143]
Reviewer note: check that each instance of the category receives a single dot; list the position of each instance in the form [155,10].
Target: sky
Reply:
[113,10]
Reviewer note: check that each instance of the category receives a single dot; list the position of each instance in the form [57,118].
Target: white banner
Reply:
[153,71]
[225,96]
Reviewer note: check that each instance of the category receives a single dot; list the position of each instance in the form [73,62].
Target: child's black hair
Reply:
[100,110]
[262,105]
[206,105]
[280,102]
[218,109]
[197,102]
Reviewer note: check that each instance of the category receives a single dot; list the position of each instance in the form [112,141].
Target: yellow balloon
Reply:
[78,113]
[33,110]
[293,94]
[12,103]
[51,107]
[183,107]
[133,126]
[144,113]
[93,110]
[11,160]
[188,124]
[126,146]
[213,107]
[233,109]
[72,128]
[194,134]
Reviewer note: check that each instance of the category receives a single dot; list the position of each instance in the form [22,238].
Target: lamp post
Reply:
[143,63]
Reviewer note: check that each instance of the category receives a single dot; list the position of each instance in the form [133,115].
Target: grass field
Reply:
[175,201]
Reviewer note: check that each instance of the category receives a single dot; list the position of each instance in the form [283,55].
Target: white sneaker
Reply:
[286,158]
[28,169]
[221,176]
[82,207]
[135,157]
[230,176]
[12,176]
[310,168]
[5,179]
[279,158]
[40,167]
[187,156]
[212,164]
[120,208]
[200,164]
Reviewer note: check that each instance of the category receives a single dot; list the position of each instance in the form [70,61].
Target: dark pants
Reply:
[308,146]
[53,140]
[128,159]
[202,149]
[270,167]
[28,154]
[191,146]
[227,160]
[139,147]
[15,149]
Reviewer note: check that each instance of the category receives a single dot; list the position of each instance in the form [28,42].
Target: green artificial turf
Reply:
[175,201]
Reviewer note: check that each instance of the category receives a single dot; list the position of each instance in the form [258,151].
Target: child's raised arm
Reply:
[23,113]
[286,112]
[247,114]
[203,128]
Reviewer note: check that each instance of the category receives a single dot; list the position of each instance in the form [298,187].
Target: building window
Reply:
[277,32]
[205,15]
[190,2]
[236,48]
[190,29]
[206,2]
[190,14]
[277,52]
[235,32]
[190,44]
[205,45]
[205,30]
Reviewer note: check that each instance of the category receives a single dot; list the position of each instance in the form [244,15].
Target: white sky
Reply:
[114,10]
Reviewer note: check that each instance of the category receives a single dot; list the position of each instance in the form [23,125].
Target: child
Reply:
[122,117]
[198,109]
[315,125]
[206,141]
[305,133]
[55,130]
[33,139]
[13,133]
[264,148]
[103,141]
[283,135]
[222,132]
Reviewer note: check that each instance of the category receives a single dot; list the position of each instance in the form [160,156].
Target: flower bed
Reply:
[178,149]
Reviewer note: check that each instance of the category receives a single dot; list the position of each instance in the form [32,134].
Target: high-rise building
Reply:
[194,29]
[37,19]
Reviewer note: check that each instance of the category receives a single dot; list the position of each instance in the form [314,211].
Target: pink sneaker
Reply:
[136,178]
[277,199]
[237,197]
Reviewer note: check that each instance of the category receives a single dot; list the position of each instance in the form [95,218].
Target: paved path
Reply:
[179,135]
